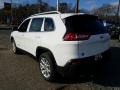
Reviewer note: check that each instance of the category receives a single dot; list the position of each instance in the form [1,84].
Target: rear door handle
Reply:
[102,37]
[22,34]
[37,36]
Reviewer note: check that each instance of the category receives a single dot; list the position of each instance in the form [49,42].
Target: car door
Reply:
[32,37]
[22,29]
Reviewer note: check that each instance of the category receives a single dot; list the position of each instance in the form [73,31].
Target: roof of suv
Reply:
[52,13]
[70,14]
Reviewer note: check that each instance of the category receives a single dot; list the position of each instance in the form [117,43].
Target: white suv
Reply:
[62,40]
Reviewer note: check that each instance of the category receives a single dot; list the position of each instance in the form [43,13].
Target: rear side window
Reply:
[84,24]
[49,24]
[36,25]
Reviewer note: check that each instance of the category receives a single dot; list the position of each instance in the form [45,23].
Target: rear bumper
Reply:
[83,65]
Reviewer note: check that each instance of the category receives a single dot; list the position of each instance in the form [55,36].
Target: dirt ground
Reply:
[21,72]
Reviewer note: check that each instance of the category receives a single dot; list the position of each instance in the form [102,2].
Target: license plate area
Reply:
[98,57]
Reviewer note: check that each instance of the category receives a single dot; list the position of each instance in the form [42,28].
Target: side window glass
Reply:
[49,24]
[24,25]
[36,25]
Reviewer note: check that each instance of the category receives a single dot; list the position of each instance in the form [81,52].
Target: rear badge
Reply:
[98,57]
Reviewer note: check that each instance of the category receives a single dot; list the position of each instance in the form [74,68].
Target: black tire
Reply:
[107,56]
[15,50]
[47,67]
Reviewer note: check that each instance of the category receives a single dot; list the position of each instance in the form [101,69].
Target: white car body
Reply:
[63,51]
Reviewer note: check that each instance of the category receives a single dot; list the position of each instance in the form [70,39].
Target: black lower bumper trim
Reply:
[83,65]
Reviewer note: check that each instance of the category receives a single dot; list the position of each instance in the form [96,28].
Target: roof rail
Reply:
[50,12]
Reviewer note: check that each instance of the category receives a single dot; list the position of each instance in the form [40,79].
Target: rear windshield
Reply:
[84,24]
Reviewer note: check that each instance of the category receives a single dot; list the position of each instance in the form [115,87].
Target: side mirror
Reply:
[15,28]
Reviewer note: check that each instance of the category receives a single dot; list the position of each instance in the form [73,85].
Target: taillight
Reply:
[70,36]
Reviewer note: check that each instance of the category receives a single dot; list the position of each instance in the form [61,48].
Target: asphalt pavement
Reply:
[21,72]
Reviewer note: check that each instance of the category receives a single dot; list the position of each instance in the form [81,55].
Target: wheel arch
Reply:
[41,50]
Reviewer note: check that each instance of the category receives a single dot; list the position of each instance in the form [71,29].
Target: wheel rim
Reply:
[45,67]
[13,47]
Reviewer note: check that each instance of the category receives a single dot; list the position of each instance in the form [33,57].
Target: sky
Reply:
[84,4]
[89,4]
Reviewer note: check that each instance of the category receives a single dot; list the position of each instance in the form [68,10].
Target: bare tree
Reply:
[105,10]
[118,11]
[77,6]
[39,5]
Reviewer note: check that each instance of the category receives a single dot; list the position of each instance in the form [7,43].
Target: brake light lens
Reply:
[70,36]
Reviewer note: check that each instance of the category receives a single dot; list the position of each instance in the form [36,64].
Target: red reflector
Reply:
[75,36]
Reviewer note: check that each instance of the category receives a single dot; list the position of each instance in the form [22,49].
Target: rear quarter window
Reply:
[49,24]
